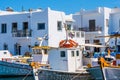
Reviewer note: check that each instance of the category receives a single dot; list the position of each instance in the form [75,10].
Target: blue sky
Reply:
[68,6]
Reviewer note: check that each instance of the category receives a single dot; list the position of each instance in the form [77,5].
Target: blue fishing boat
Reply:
[14,69]
[13,65]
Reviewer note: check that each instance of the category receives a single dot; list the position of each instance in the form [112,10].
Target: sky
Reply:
[67,6]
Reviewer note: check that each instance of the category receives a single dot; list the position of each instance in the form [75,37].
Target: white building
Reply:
[94,23]
[19,30]
[114,27]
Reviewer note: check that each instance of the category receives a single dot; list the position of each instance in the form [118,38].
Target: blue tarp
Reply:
[98,54]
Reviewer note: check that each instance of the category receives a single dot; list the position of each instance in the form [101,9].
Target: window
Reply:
[45,51]
[3,28]
[82,34]
[37,51]
[41,26]
[14,27]
[59,25]
[5,52]
[71,34]
[25,25]
[72,53]
[5,46]
[87,41]
[107,22]
[96,41]
[62,53]
[92,25]
[68,26]
[77,34]
[87,48]
[77,53]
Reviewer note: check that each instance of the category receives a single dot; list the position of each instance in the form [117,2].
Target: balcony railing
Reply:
[87,29]
[22,33]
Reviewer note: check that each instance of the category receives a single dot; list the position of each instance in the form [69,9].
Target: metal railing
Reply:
[87,29]
[22,33]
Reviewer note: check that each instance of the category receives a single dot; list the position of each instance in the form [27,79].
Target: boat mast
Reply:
[41,39]
[65,26]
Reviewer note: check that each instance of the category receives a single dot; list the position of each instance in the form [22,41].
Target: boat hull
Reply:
[111,73]
[96,73]
[14,69]
[105,73]
[60,75]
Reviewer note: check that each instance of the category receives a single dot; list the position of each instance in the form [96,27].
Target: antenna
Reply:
[65,26]
[23,8]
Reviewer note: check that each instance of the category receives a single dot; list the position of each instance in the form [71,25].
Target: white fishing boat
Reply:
[58,63]
[13,65]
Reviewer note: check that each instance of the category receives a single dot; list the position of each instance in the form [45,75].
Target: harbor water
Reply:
[17,78]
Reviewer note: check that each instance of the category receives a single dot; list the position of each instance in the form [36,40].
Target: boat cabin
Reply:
[5,54]
[65,59]
[40,54]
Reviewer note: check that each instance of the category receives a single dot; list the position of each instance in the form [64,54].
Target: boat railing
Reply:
[21,60]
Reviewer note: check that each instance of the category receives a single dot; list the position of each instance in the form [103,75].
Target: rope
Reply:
[27,75]
[76,76]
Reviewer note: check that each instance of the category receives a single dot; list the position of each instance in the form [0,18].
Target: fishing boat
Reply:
[64,62]
[109,66]
[13,65]
[108,70]
[58,63]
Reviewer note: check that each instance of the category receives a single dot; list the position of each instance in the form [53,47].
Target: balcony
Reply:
[22,33]
[87,29]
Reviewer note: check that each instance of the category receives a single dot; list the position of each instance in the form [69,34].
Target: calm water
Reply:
[18,78]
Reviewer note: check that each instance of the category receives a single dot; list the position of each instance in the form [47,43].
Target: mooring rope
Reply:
[77,75]
[27,75]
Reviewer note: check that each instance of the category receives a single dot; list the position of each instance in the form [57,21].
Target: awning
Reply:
[93,45]
[41,47]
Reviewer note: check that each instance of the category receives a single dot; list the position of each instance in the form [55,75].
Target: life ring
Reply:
[67,44]
[73,43]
